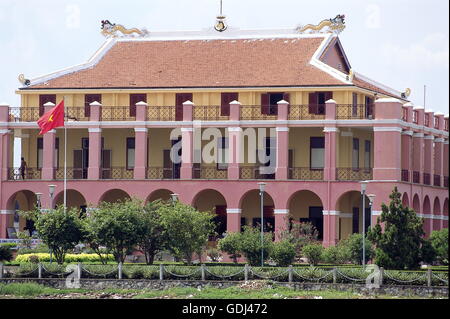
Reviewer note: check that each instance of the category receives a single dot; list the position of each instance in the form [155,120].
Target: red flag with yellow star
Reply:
[52,119]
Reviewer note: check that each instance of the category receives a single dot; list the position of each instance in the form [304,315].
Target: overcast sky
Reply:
[400,43]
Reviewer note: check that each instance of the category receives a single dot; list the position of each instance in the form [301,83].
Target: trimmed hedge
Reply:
[70,258]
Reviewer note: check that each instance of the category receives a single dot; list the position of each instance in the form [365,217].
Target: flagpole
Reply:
[65,157]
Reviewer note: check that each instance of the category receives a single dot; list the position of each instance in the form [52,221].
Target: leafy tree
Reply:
[313,252]
[399,246]
[299,234]
[439,241]
[337,254]
[187,229]
[231,244]
[5,254]
[353,249]
[283,253]
[91,239]
[427,252]
[116,226]
[60,231]
[153,236]
[250,245]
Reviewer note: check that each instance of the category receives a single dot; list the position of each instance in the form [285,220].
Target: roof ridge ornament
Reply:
[111,30]
[220,25]
[335,25]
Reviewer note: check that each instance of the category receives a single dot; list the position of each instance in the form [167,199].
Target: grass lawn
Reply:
[251,290]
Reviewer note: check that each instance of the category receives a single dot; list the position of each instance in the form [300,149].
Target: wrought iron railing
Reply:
[307,112]
[209,172]
[71,173]
[27,174]
[23,114]
[416,177]
[437,180]
[353,174]
[161,113]
[306,173]
[117,113]
[354,111]
[405,175]
[446,181]
[162,173]
[76,113]
[208,113]
[117,173]
[253,172]
[426,179]
[253,112]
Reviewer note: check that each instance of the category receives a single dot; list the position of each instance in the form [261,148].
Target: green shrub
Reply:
[231,244]
[70,258]
[34,259]
[283,253]
[213,253]
[9,245]
[335,255]
[5,254]
[24,289]
[353,245]
[439,241]
[40,248]
[313,252]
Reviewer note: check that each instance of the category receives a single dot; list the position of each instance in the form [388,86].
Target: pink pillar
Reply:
[96,112]
[438,155]
[330,233]
[95,152]
[281,219]
[5,220]
[329,173]
[5,136]
[407,152]
[186,152]
[234,220]
[48,165]
[235,111]
[418,146]
[140,156]
[234,154]
[445,159]
[330,110]
[428,157]
[141,111]
[282,160]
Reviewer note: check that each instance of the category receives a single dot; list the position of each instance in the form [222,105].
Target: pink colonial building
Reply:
[137,98]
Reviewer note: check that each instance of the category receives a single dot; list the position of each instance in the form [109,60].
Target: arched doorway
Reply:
[74,200]
[114,195]
[210,200]
[405,200]
[250,205]
[416,204]
[306,206]
[436,214]
[23,200]
[350,210]
[427,225]
[162,194]
[445,213]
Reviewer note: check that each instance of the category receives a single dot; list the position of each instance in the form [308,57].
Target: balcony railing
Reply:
[161,113]
[354,111]
[76,113]
[416,177]
[307,112]
[117,113]
[305,174]
[116,173]
[437,180]
[209,172]
[162,173]
[253,172]
[208,113]
[23,114]
[29,173]
[446,181]
[426,179]
[405,175]
[353,174]
[253,112]
[71,173]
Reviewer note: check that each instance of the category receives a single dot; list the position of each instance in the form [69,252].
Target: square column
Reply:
[234,152]
[281,220]
[282,159]
[5,145]
[95,153]
[6,218]
[329,171]
[235,111]
[407,154]
[234,220]
[330,227]
[438,158]
[186,152]
[387,153]
[418,155]
[48,165]
[428,158]
[95,112]
[140,156]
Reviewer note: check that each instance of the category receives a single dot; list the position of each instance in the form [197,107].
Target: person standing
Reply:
[23,168]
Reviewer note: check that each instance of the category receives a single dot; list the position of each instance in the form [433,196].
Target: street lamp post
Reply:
[371,199]
[262,187]
[51,191]
[363,194]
